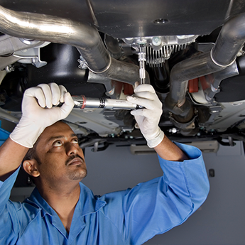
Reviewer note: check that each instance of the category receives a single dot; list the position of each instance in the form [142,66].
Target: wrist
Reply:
[26,134]
[155,139]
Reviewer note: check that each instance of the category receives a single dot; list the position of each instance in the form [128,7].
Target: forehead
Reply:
[56,130]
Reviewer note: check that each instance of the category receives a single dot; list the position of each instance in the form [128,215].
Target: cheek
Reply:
[52,162]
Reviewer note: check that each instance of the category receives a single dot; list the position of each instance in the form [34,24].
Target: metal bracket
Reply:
[30,56]
[187,125]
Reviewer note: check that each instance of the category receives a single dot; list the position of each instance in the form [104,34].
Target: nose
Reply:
[71,149]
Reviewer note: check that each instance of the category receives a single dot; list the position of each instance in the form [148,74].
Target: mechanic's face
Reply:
[61,158]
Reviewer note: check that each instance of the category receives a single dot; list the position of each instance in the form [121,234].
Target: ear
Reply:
[30,166]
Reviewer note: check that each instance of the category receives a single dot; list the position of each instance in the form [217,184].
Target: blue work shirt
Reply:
[132,216]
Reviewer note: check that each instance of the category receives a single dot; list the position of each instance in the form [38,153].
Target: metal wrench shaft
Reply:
[82,102]
[142,59]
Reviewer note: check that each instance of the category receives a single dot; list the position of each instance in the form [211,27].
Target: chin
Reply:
[78,175]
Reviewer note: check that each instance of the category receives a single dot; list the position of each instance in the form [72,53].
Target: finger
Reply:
[67,106]
[149,104]
[62,93]
[146,95]
[37,93]
[144,87]
[55,93]
[47,94]
[142,113]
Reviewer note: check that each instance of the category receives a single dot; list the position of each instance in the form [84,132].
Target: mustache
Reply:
[72,157]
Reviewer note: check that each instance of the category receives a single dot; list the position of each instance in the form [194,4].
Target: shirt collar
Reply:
[87,203]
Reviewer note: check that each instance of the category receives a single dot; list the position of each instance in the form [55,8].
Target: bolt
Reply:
[160,21]
[156,41]
[174,130]
[83,64]
[9,68]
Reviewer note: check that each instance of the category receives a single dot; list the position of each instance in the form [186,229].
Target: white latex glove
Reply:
[38,112]
[148,118]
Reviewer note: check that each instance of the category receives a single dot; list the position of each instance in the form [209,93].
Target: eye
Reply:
[57,143]
[75,140]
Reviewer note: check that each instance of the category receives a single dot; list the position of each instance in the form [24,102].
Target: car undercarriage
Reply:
[190,51]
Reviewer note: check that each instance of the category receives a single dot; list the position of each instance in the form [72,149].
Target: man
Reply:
[61,210]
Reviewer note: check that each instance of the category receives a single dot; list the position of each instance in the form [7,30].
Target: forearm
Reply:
[11,156]
[169,151]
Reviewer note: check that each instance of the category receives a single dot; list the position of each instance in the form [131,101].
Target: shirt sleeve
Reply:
[158,205]
[8,222]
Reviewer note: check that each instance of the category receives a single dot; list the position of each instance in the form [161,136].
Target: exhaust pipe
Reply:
[58,30]
[223,54]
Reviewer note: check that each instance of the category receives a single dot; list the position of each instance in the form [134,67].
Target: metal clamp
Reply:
[84,65]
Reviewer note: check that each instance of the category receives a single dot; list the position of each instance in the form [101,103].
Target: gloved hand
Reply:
[149,117]
[38,112]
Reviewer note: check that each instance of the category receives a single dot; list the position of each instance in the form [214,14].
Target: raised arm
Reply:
[169,151]
[37,114]
[158,205]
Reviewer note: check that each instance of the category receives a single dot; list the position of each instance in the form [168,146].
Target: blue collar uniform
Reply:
[132,216]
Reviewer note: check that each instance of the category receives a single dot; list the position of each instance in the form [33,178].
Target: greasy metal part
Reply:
[124,72]
[94,78]
[211,84]
[187,127]
[6,61]
[82,102]
[230,41]
[217,77]
[9,45]
[160,79]
[214,113]
[160,48]
[223,54]
[94,120]
[58,30]
[113,46]
[158,57]
[30,56]
[159,41]
[142,60]
[181,73]
[113,88]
